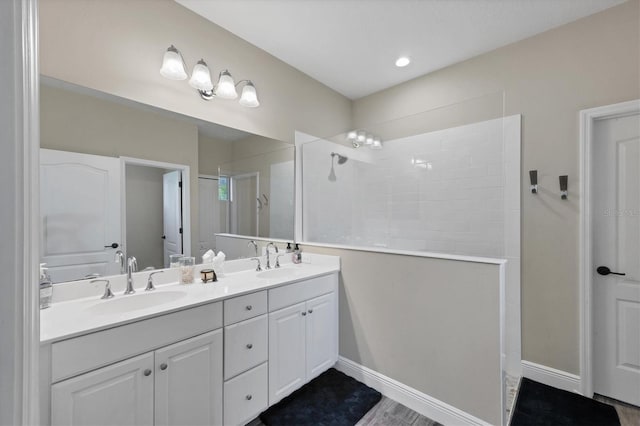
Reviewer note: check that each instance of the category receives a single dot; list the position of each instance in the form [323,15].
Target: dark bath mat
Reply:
[540,404]
[332,398]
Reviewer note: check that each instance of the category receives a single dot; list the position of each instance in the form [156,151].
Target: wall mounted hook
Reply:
[564,181]
[533,176]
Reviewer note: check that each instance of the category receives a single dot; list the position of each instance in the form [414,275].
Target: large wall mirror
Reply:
[118,176]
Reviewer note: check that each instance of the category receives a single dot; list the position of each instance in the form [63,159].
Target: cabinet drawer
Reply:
[245,307]
[245,396]
[245,345]
[291,294]
[91,351]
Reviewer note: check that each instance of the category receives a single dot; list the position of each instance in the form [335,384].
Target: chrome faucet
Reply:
[108,294]
[255,247]
[258,267]
[119,258]
[268,266]
[150,285]
[132,266]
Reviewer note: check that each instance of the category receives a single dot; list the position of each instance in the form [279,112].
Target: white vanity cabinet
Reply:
[97,381]
[221,362]
[303,335]
[177,385]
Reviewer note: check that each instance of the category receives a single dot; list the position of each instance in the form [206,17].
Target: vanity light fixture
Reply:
[360,138]
[174,68]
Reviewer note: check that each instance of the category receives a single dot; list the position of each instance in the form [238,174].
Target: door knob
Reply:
[163,366]
[147,372]
[603,270]
[112,245]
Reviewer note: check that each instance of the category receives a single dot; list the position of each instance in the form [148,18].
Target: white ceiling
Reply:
[351,45]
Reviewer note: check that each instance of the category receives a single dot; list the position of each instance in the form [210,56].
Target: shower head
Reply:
[341,158]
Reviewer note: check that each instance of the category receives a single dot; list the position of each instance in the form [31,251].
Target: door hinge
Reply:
[180,184]
[181,230]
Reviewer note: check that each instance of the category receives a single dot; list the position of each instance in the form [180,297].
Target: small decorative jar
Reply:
[187,270]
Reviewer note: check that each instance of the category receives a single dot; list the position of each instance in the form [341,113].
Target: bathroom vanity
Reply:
[198,354]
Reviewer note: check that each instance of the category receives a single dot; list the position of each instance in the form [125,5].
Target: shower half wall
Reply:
[440,192]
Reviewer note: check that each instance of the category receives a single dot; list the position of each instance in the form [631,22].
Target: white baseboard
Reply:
[412,398]
[550,376]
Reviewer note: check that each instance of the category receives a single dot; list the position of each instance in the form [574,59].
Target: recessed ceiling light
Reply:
[403,61]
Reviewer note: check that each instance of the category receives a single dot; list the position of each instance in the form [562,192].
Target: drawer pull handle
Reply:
[249,307]
[249,397]
[249,346]
[310,311]
[163,366]
[147,372]
[304,314]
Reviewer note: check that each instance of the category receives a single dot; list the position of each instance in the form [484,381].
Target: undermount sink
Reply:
[135,302]
[277,273]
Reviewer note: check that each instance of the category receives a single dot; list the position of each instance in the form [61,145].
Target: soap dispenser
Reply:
[46,288]
[296,257]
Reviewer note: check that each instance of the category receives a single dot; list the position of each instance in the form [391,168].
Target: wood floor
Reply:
[387,412]
[629,415]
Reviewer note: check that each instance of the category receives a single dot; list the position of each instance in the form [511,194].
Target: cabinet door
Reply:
[189,382]
[321,335]
[286,351]
[120,394]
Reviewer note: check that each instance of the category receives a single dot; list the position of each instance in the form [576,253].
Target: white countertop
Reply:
[71,318]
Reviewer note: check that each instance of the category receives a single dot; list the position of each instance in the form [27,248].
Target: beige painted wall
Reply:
[431,324]
[77,122]
[212,153]
[116,46]
[548,79]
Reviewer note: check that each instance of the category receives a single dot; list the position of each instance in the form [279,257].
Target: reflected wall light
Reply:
[360,138]
[174,68]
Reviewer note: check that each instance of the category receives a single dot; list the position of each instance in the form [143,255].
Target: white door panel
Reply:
[286,351]
[616,180]
[172,214]
[80,213]
[188,387]
[321,335]
[118,395]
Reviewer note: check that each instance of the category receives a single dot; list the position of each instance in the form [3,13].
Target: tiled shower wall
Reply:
[441,192]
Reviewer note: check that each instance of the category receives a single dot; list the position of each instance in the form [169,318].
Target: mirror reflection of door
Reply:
[80,214]
[172,214]
[244,204]
[153,214]
[212,217]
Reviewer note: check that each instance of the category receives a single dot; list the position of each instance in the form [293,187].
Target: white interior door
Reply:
[79,213]
[616,220]
[209,214]
[172,214]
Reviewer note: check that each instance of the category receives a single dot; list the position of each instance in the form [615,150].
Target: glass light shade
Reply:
[368,140]
[173,65]
[361,137]
[226,87]
[377,144]
[249,96]
[352,135]
[201,77]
